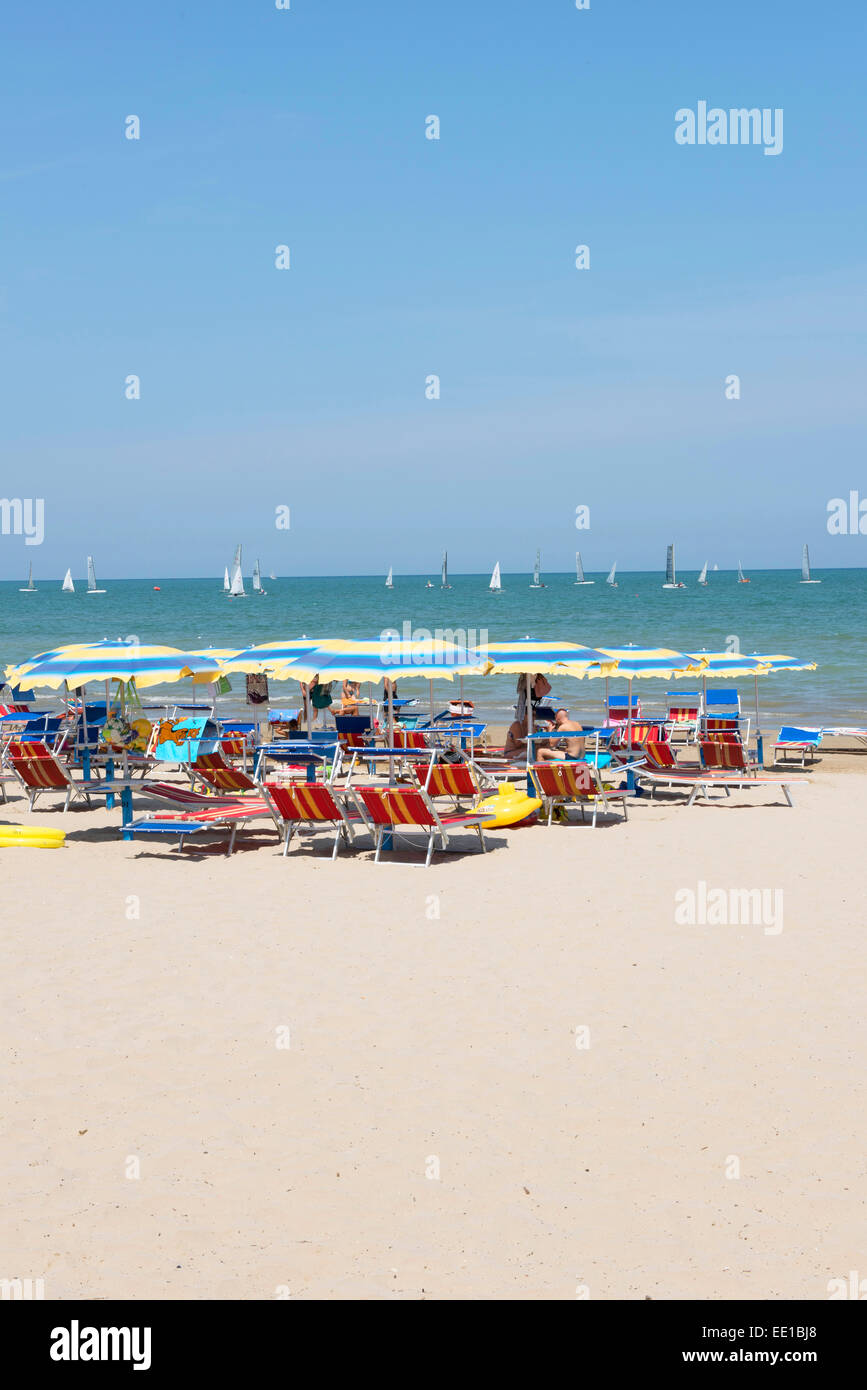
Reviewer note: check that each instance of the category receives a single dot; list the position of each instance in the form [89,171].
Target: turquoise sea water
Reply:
[774,613]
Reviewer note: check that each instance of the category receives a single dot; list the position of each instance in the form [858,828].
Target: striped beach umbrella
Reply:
[637,662]
[526,656]
[394,658]
[87,662]
[264,658]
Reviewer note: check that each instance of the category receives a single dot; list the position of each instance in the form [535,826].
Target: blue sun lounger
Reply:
[803,741]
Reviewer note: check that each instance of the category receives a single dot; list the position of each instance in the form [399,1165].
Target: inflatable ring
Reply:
[511,806]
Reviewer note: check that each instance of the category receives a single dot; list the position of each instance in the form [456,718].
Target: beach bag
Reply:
[257,689]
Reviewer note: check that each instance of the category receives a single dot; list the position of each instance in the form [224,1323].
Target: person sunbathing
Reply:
[562,747]
[516,739]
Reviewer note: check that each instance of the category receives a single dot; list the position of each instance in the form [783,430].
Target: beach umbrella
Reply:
[86,662]
[527,655]
[637,663]
[772,662]
[753,664]
[264,658]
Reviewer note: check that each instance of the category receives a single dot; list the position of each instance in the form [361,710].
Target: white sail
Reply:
[389,578]
[702,579]
[741,577]
[91,578]
[257,577]
[29,587]
[670,572]
[444,574]
[716,567]
[579,570]
[611,580]
[806,576]
[68,586]
[236,585]
[537,572]
[496,583]
[226,583]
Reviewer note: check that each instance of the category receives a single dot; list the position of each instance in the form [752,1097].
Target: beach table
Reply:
[307,753]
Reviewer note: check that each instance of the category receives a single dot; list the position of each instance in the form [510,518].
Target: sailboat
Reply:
[389,578]
[257,581]
[537,572]
[579,571]
[611,580]
[444,577]
[806,577]
[67,586]
[226,585]
[496,583]
[742,579]
[91,578]
[29,587]
[236,586]
[702,579]
[716,567]
[670,571]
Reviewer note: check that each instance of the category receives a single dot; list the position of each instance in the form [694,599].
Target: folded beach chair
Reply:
[409,738]
[562,784]
[631,738]
[792,740]
[390,810]
[354,730]
[39,771]
[683,714]
[313,804]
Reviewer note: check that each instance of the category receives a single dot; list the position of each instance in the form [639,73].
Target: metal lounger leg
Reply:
[788,794]
[430,845]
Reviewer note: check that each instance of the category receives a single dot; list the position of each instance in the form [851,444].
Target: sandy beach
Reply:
[436,1127]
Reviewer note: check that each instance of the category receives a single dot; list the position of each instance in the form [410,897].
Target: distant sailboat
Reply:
[742,579]
[236,585]
[579,571]
[29,587]
[537,572]
[67,586]
[272,576]
[702,579]
[670,571]
[611,580]
[257,580]
[444,576]
[389,578]
[806,577]
[496,583]
[226,585]
[91,578]
[716,567]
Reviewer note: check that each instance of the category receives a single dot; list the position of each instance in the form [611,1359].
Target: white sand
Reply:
[410,1038]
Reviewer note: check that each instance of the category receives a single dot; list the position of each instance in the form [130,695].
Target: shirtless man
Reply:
[564,747]
[516,739]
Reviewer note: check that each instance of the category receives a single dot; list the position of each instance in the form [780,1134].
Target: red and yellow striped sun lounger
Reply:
[312,804]
[216,773]
[390,810]
[561,784]
[40,771]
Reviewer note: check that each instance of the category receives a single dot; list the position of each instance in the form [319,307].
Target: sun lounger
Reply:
[727,756]
[39,771]
[213,770]
[456,781]
[395,811]
[792,740]
[684,710]
[197,811]
[563,784]
[697,782]
[313,804]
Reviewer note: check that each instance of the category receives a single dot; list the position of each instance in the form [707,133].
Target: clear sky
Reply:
[306,387]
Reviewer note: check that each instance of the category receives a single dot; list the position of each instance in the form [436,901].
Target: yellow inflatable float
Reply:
[31,836]
[511,806]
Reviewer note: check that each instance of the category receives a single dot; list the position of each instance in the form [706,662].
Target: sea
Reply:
[775,613]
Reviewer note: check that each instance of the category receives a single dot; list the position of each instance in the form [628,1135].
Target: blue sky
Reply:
[305,387]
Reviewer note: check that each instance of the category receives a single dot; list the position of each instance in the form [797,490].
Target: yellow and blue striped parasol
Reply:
[526,656]
[86,662]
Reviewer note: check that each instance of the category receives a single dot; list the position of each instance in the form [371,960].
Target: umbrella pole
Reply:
[430,683]
[630,776]
[760,744]
[530,790]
